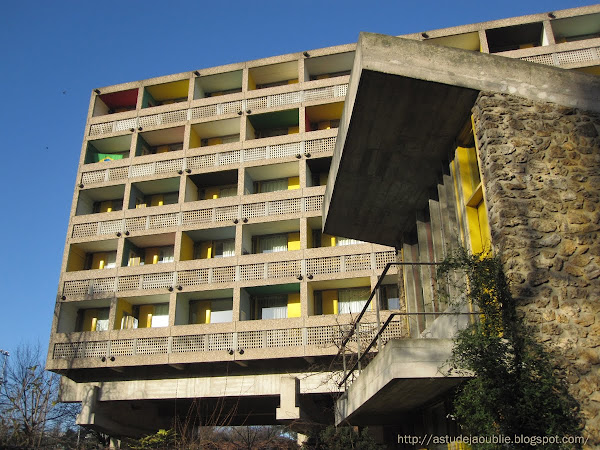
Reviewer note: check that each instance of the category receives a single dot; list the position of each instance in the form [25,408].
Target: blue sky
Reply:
[53,54]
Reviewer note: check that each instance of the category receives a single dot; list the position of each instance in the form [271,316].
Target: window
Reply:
[340,241]
[101,260]
[160,317]
[272,307]
[221,311]
[94,319]
[224,248]
[389,297]
[166,255]
[128,322]
[272,185]
[353,300]
[272,243]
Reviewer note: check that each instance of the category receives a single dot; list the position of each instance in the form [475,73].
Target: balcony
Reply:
[151,249]
[329,66]
[100,200]
[211,186]
[272,178]
[154,193]
[208,244]
[165,93]
[272,124]
[270,302]
[280,74]
[160,141]
[115,102]
[217,132]
[330,91]
[92,256]
[107,150]
[218,84]
[207,307]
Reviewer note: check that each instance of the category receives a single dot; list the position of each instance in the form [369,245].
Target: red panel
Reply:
[121,99]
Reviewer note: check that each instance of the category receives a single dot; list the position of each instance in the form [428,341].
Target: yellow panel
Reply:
[330,111]
[157,200]
[294,81]
[90,318]
[76,259]
[293,305]
[206,250]
[162,149]
[330,302]
[134,261]
[187,248]
[145,319]
[106,206]
[323,76]
[528,45]
[324,125]
[176,89]
[211,193]
[203,310]
[294,241]
[122,307]
[484,227]
[293,183]
[294,130]
[151,255]
[327,240]
[323,179]
[140,205]
[98,260]
[195,141]
[465,167]
[251,83]
[214,141]
[474,230]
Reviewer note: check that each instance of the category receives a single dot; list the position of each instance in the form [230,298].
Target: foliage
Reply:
[161,439]
[214,437]
[514,391]
[30,415]
[342,438]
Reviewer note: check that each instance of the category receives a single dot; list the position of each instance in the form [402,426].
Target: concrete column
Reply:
[289,391]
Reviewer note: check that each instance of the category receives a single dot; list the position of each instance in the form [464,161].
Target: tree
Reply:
[30,415]
[514,390]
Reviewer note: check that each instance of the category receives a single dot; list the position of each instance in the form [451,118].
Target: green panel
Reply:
[274,289]
[279,119]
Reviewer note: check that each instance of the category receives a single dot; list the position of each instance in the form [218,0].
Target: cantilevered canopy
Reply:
[407,102]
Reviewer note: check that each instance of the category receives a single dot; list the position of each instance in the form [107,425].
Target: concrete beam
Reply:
[406,374]
[407,102]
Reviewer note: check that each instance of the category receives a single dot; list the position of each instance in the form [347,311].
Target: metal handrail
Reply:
[374,291]
[382,329]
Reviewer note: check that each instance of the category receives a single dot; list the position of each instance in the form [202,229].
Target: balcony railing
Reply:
[216,159]
[321,336]
[199,112]
[309,267]
[199,216]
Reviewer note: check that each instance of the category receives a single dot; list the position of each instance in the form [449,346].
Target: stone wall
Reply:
[540,166]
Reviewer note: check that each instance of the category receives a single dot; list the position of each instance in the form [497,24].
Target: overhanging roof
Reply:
[407,102]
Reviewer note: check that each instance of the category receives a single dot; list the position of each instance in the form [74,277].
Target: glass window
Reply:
[221,311]
[273,185]
[160,316]
[102,320]
[272,243]
[353,300]
[224,248]
[166,255]
[273,307]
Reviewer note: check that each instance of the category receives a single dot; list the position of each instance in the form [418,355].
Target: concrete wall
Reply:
[540,168]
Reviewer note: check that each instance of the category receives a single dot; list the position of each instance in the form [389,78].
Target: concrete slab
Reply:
[406,374]
[407,102]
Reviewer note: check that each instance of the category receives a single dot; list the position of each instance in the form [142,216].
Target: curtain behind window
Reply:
[353,300]
[271,244]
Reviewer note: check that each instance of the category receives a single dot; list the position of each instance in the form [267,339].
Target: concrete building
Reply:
[200,271]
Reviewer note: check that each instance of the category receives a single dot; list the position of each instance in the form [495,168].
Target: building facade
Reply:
[196,265]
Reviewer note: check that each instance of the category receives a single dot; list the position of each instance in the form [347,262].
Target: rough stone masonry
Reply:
[540,166]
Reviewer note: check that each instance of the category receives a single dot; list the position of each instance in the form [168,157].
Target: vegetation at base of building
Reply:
[341,438]
[514,390]
[30,415]
[218,437]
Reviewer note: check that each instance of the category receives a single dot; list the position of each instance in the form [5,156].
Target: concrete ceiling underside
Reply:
[407,102]
[400,131]
[399,397]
